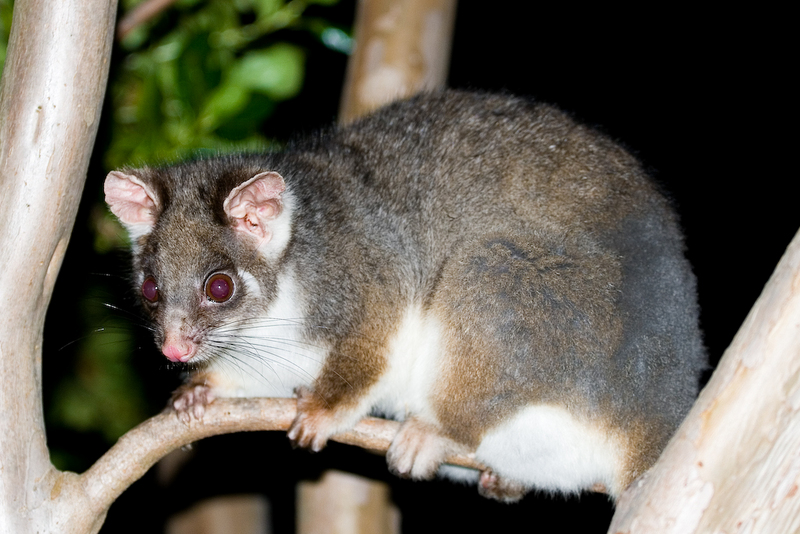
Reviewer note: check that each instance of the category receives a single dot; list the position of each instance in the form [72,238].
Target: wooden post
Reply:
[402,47]
[341,503]
[230,514]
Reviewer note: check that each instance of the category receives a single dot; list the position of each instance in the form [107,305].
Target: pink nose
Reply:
[178,351]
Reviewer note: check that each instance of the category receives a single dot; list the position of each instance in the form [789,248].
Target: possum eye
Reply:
[150,289]
[219,287]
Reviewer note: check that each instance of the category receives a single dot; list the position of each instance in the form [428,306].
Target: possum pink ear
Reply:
[253,206]
[132,201]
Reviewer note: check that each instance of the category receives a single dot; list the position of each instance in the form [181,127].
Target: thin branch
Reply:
[143,446]
[139,15]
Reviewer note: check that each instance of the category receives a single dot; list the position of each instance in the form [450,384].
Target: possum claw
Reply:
[190,400]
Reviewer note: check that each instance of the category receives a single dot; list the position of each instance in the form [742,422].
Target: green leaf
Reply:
[242,125]
[227,100]
[267,8]
[276,71]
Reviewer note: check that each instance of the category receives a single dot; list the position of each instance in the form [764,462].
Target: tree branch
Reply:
[143,446]
[139,15]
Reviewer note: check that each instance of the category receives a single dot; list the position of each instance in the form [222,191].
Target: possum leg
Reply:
[419,449]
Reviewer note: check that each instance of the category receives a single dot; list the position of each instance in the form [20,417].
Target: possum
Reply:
[503,280]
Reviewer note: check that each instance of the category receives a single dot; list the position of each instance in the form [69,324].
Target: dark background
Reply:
[700,96]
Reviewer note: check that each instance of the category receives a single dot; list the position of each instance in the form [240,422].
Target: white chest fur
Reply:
[413,365]
[270,358]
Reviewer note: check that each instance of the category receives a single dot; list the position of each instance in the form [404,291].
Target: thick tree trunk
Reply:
[50,100]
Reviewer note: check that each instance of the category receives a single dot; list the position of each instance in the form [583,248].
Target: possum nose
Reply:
[178,350]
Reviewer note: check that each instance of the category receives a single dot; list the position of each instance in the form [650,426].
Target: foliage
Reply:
[205,76]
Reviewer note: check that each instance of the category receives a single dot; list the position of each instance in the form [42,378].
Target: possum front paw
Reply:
[493,486]
[419,449]
[314,423]
[190,400]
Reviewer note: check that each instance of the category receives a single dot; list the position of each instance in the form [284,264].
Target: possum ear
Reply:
[254,208]
[132,201]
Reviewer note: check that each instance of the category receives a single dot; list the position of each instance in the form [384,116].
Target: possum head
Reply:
[206,246]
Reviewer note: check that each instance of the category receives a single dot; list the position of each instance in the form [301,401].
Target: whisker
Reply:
[229,357]
[266,355]
[227,348]
[127,313]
